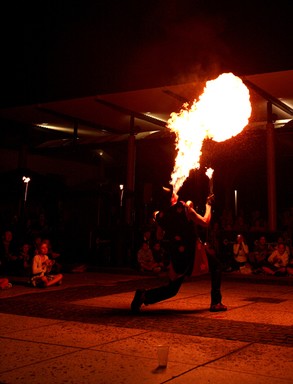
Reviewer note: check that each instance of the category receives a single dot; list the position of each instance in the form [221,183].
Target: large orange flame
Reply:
[221,112]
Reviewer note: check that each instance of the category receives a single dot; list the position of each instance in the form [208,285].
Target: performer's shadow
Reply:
[170,311]
[145,312]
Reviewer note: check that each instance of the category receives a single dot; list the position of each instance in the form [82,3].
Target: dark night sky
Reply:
[62,49]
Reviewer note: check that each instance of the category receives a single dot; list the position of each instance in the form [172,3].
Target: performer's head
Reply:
[179,206]
[172,196]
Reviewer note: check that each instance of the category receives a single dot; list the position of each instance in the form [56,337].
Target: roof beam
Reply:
[176,96]
[267,96]
[79,121]
[134,114]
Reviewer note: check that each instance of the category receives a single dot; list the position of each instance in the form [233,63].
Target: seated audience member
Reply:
[41,268]
[240,225]
[146,260]
[260,254]
[41,227]
[8,254]
[147,236]
[227,220]
[24,260]
[277,261]
[258,226]
[282,240]
[4,283]
[53,255]
[240,255]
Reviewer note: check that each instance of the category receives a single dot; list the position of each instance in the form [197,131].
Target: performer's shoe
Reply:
[218,307]
[137,300]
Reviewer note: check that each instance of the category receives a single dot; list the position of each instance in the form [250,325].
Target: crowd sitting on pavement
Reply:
[244,245]
[265,258]
[28,255]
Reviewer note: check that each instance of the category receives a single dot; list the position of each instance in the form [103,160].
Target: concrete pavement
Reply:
[83,332]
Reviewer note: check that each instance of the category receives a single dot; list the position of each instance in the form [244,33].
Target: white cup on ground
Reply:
[163,352]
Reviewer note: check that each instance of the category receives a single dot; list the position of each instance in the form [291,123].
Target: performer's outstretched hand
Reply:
[211,199]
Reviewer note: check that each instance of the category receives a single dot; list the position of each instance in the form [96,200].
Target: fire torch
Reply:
[209,173]
[26,180]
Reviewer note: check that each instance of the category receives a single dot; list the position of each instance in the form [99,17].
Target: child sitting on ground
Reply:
[146,260]
[41,268]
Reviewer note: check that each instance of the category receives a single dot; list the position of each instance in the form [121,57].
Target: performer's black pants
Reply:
[215,268]
[163,292]
[171,289]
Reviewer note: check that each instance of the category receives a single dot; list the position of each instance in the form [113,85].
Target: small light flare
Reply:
[236,202]
[221,112]
[209,172]
[26,179]
[121,187]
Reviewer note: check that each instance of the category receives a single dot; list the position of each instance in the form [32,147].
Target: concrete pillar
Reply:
[271,171]
[130,181]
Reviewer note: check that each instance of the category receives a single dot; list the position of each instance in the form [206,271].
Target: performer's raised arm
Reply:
[196,217]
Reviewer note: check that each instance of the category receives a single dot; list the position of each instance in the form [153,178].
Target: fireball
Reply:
[222,111]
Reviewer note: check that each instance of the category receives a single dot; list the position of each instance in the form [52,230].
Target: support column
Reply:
[130,181]
[271,171]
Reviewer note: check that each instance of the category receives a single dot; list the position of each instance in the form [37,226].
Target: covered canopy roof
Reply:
[110,117]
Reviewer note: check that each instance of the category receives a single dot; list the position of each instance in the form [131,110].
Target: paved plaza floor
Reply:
[83,332]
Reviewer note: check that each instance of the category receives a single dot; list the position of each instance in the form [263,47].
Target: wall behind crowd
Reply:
[82,201]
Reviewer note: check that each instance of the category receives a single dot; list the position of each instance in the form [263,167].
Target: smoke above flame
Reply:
[222,111]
